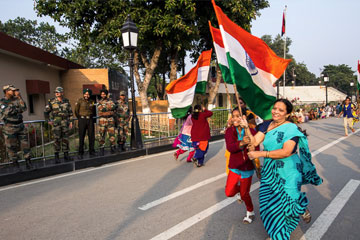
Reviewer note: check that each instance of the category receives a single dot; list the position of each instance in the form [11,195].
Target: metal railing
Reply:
[155,127]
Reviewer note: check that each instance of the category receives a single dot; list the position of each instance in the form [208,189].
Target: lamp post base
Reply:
[136,140]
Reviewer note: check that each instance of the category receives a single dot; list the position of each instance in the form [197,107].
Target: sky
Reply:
[322,31]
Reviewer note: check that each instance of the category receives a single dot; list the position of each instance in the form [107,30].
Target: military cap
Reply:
[59,90]
[122,93]
[87,90]
[9,87]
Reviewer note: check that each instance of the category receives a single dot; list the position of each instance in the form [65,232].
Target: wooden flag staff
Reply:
[256,161]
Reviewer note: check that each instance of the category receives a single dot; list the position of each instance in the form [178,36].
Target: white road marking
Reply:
[92,169]
[181,192]
[327,217]
[199,217]
[323,148]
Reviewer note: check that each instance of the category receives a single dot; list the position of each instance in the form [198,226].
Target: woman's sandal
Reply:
[306,216]
[249,218]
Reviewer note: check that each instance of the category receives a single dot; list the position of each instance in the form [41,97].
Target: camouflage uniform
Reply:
[14,129]
[106,108]
[60,113]
[122,120]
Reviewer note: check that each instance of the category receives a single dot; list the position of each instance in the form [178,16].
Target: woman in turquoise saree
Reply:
[285,170]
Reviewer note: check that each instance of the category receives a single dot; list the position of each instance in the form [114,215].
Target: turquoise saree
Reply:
[281,199]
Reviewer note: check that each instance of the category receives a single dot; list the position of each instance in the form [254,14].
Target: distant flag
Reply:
[253,66]
[283,23]
[181,92]
[358,82]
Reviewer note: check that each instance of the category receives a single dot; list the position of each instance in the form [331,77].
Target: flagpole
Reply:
[228,94]
[284,56]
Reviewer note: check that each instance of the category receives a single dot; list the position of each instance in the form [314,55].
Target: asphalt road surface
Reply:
[156,197]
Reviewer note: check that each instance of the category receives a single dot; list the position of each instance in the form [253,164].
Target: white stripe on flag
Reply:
[263,79]
[182,99]
[221,55]
[203,73]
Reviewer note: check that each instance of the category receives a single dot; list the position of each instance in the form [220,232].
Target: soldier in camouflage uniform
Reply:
[59,114]
[11,108]
[122,120]
[106,111]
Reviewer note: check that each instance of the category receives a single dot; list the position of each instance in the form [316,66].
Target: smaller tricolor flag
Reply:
[283,24]
[220,54]
[181,92]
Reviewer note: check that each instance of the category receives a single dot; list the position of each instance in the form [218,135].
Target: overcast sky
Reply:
[323,31]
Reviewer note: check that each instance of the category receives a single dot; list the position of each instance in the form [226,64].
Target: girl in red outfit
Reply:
[240,166]
[200,134]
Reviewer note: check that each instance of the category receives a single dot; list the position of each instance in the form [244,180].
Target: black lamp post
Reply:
[129,34]
[326,80]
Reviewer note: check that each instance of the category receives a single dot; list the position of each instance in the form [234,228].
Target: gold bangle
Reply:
[267,154]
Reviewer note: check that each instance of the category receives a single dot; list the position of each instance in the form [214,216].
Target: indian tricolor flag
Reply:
[181,92]
[220,54]
[253,66]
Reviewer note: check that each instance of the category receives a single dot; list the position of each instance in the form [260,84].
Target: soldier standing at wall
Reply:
[59,114]
[85,112]
[106,111]
[122,118]
[11,108]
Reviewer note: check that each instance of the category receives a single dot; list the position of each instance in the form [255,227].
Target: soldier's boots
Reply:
[122,147]
[16,164]
[67,158]
[80,156]
[28,163]
[57,158]
[112,149]
[102,151]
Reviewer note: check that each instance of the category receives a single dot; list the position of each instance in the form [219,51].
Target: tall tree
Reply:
[97,21]
[297,72]
[41,35]
[340,77]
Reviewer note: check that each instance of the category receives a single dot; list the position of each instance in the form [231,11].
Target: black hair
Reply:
[189,112]
[235,109]
[289,109]
[104,91]
[197,110]
[289,106]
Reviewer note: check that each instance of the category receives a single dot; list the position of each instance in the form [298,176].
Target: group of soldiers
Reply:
[112,117]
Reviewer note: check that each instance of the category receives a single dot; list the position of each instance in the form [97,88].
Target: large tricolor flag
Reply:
[181,92]
[253,66]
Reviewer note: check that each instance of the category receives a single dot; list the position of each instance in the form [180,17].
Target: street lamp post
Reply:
[129,34]
[351,88]
[326,80]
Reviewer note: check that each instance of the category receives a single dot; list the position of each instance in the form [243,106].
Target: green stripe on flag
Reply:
[180,112]
[201,87]
[225,72]
[260,103]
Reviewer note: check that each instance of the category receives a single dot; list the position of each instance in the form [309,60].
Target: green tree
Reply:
[297,72]
[41,35]
[170,26]
[340,77]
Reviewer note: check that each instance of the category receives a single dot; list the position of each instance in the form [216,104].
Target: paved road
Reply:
[157,197]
